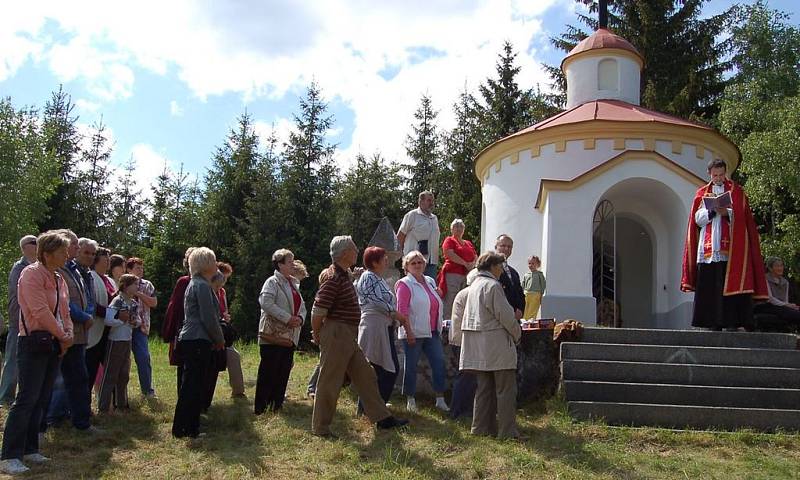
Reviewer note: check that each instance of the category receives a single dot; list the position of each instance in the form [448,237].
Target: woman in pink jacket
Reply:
[45,333]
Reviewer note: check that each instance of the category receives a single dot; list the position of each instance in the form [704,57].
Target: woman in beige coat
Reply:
[282,315]
[490,332]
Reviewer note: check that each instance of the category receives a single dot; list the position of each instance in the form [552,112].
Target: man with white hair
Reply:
[81,311]
[334,323]
[419,231]
[8,384]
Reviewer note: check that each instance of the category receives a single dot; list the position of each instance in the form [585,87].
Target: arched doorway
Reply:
[637,239]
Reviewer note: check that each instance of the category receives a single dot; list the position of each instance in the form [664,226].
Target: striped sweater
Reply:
[338,296]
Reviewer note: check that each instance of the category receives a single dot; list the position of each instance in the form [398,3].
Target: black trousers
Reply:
[196,358]
[210,384]
[464,387]
[386,379]
[37,372]
[273,375]
[787,315]
[712,309]
[76,383]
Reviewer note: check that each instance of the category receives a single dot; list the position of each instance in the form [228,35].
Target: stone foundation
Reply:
[537,367]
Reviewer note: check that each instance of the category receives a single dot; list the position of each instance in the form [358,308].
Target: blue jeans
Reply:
[432,347]
[141,353]
[8,384]
[37,371]
[76,383]
[58,406]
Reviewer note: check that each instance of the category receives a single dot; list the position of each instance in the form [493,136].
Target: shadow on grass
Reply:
[88,455]
[232,436]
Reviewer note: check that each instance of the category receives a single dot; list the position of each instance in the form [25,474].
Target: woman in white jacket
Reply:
[282,315]
[418,299]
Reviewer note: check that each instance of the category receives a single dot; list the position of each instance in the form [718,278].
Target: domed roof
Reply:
[603,38]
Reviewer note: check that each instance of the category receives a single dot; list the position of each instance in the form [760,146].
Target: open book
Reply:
[722,200]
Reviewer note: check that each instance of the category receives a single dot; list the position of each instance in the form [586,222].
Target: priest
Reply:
[722,260]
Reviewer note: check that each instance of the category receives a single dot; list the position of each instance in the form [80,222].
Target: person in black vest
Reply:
[509,279]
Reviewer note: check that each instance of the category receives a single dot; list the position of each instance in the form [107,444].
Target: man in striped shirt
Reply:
[334,324]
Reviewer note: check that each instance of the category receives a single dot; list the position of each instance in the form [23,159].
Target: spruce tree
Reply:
[308,183]
[128,220]
[62,140]
[463,143]
[255,241]
[423,147]
[229,183]
[92,195]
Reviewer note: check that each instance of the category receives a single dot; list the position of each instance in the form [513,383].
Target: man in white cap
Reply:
[8,383]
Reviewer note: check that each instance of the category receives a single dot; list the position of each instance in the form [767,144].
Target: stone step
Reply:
[668,394]
[695,338]
[752,357]
[680,374]
[686,416]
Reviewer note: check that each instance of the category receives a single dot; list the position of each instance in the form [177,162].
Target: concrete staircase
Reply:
[684,378]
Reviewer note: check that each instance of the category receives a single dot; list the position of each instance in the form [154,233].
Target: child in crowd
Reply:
[118,352]
[534,284]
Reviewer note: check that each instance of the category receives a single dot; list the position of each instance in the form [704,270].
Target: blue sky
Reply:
[170,78]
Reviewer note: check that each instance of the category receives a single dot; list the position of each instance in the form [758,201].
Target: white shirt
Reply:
[417,225]
[702,221]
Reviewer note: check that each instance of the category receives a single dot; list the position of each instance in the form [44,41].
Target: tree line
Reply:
[260,194]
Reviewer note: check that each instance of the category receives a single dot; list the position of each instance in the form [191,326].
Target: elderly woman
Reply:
[282,315]
[418,300]
[199,335]
[376,335]
[778,303]
[489,333]
[459,257]
[45,334]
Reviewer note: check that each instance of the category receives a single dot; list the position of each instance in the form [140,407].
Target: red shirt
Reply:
[465,250]
[223,301]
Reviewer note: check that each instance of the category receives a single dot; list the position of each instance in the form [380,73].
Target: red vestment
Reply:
[745,270]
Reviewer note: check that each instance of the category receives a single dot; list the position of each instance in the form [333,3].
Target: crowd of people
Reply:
[78,313]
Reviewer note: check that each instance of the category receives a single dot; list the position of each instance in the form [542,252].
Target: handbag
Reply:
[42,341]
[276,332]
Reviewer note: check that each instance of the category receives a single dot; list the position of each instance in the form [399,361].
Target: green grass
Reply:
[138,444]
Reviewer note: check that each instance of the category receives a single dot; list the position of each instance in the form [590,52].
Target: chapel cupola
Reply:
[602,66]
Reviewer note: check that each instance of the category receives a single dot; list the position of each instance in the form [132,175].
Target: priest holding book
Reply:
[722,260]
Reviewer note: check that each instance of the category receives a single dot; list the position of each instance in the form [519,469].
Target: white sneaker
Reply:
[36,458]
[441,405]
[411,405]
[13,466]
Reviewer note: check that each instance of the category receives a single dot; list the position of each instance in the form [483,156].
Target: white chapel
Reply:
[601,193]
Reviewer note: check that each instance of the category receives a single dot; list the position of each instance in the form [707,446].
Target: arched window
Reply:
[607,75]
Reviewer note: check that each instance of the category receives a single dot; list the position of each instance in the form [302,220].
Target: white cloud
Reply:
[87,106]
[281,126]
[271,48]
[149,164]
[174,109]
